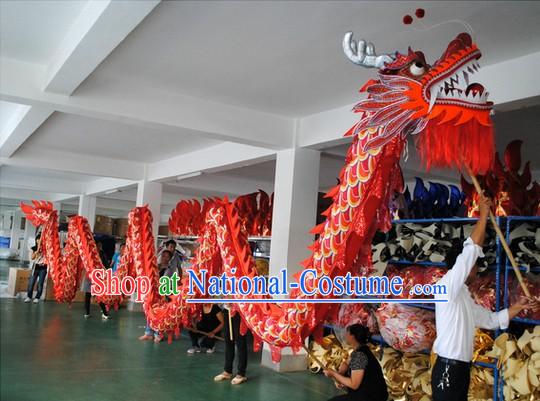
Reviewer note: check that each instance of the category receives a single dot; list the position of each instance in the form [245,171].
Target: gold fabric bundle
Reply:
[261,265]
[520,361]
[330,353]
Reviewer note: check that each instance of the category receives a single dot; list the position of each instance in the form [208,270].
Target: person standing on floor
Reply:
[238,340]
[211,322]
[361,376]
[39,272]
[117,256]
[86,287]
[457,319]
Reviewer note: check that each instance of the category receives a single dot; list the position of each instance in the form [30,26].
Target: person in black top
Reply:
[39,272]
[211,322]
[362,375]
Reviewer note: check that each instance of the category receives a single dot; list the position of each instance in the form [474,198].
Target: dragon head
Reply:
[39,213]
[410,96]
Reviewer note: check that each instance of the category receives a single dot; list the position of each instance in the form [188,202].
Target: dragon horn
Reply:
[363,53]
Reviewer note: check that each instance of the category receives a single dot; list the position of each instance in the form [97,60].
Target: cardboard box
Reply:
[103,225]
[49,292]
[18,280]
[120,227]
[163,230]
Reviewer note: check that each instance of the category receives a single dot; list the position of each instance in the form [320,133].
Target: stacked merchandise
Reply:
[417,243]
[521,364]
[439,201]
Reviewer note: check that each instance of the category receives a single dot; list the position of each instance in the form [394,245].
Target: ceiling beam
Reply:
[146,107]
[223,184]
[27,194]
[103,185]
[215,158]
[77,163]
[99,28]
[20,126]
[40,183]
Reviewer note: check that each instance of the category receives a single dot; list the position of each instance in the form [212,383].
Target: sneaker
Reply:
[36,300]
[158,338]
[26,300]
[105,317]
[210,350]
[192,350]
[86,316]
[238,379]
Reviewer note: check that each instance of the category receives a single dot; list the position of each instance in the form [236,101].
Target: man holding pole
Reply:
[458,318]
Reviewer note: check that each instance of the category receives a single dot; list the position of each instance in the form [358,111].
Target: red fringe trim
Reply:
[450,145]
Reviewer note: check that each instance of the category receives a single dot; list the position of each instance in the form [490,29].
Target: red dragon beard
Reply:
[445,144]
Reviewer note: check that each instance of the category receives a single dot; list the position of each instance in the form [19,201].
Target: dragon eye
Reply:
[417,69]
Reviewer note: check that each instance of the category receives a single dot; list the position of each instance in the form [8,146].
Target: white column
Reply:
[149,193]
[29,232]
[294,215]
[87,208]
[15,229]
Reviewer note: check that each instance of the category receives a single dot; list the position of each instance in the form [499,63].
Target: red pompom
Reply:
[407,20]
[420,12]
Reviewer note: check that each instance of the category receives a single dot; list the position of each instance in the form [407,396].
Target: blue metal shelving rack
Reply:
[497,377]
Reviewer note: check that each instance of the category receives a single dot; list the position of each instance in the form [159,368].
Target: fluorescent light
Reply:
[111,191]
[189,175]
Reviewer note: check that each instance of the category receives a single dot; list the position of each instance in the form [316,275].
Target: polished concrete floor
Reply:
[50,352]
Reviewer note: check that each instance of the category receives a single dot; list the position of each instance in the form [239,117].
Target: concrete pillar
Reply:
[15,229]
[29,232]
[149,193]
[87,208]
[294,215]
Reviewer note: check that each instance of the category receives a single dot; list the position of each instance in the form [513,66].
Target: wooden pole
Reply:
[501,237]
[230,327]
[204,333]
[312,355]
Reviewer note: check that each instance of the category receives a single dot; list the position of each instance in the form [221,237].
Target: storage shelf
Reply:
[423,306]
[533,269]
[423,263]
[255,238]
[526,321]
[436,220]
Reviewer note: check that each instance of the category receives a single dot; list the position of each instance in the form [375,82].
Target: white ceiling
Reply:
[31,31]
[285,57]
[76,134]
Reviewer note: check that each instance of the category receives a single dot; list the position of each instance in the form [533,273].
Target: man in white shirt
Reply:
[458,318]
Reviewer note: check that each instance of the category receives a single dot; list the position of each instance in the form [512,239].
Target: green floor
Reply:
[50,352]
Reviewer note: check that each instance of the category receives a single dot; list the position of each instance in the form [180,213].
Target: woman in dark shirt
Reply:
[362,375]
[211,322]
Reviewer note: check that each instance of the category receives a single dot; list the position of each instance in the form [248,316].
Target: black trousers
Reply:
[456,387]
[87,299]
[206,342]
[238,340]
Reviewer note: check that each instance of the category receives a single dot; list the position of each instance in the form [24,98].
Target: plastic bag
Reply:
[405,328]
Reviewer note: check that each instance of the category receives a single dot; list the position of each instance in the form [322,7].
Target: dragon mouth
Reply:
[455,88]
